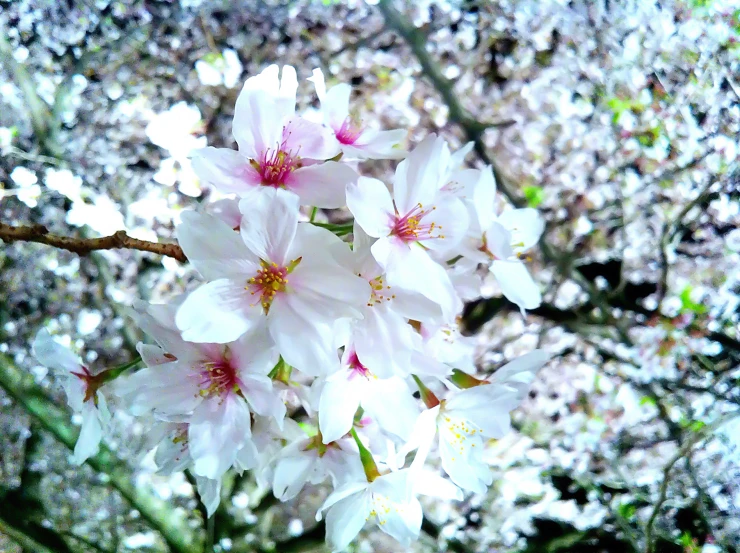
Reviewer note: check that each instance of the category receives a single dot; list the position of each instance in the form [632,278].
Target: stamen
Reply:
[410,227]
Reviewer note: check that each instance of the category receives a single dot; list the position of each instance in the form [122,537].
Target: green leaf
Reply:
[647,400]
[535,195]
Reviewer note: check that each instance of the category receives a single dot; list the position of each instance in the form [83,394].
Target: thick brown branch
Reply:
[83,246]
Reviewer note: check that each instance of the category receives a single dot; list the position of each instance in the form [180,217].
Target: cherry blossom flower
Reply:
[83,393]
[388,501]
[217,386]
[309,460]
[466,419]
[357,141]
[277,148]
[416,219]
[275,272]
[352,386]
[501,240]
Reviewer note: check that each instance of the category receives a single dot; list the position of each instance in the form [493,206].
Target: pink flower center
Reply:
[411,228]
[275,166]
[357,368]
[218,378]
[350,131]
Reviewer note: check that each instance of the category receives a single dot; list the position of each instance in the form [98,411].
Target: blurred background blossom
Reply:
[619,121]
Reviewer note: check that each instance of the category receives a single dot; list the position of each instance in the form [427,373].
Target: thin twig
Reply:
[83,246]
[702,434]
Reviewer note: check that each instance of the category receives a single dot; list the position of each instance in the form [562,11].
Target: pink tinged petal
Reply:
[209,491]
[227,210]
[309,140]
[213,248]
[52,354]
[345,520]
[392,391]
[525,225]
[339,401]
[304,343]
[322,184]
[343,492]
[419,177]
[291,474]
[269,220]
[377,145]
[219,428]
[227,170]
[412,269]
[336,105]
[517,284]
[217,312]
[370,202]
[520,372]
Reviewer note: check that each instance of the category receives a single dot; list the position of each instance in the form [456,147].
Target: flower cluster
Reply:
[292,317]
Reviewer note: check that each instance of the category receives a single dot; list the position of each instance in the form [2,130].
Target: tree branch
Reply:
[20,386]
[83,246]
[473,129]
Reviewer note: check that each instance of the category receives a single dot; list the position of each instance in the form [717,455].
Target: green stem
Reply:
[313,214]
[115,372]
[368,463]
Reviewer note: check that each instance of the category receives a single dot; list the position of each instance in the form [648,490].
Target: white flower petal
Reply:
[309,140]
[227,170]
[370,202]
[419,177]
[219,428]
[345,520]
[52,354]
[322,184]
[217,312]
[517,284]
[340,398]
[269,221]
[213,248]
